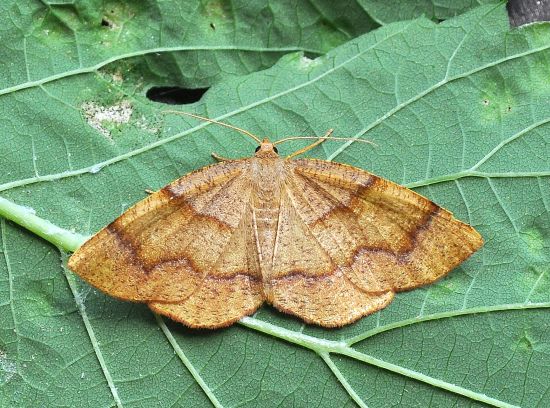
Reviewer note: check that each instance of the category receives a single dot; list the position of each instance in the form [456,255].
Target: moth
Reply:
[326,242]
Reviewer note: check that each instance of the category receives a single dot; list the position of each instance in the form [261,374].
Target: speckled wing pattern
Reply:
[188,250]
[343,242]
[372,238]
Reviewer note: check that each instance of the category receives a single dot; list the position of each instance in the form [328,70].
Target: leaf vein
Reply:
[428,90]
[342,380]
[192,370]
[10,274]
[96,67]
[89,329]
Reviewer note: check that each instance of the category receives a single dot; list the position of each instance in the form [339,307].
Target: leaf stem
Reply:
[26,217]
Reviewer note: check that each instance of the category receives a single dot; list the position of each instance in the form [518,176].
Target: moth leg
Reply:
[220,158]
[149,191]
[311,146]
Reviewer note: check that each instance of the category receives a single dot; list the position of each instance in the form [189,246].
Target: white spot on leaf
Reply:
[98,116]
[308,63]
[7,368]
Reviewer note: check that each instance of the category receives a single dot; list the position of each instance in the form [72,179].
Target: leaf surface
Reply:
[386,12]
[191,44]
[459,111]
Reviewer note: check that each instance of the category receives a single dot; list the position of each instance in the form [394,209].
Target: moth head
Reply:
[266,150]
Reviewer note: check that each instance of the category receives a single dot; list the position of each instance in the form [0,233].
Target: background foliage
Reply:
[458,109]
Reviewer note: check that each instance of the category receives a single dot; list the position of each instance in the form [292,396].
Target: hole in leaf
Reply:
[106,23]
[174,95]
[310,55]
[213,26]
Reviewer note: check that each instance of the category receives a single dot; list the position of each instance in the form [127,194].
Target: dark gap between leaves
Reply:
[522,12]
[173,95]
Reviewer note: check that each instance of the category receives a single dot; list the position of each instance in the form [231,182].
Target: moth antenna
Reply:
[287,139]
[256,138]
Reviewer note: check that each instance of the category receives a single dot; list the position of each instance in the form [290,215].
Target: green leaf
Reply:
[191,44]
[459,110]
[384,11]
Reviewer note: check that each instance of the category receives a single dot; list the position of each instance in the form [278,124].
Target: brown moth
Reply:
[323,241]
